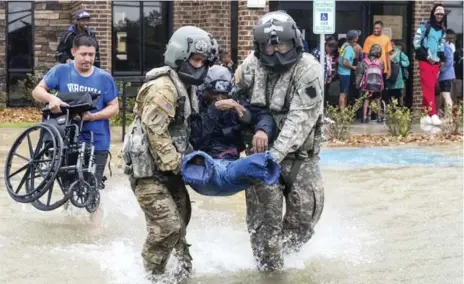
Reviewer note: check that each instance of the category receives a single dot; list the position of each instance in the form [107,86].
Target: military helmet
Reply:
[185,42]
[277,41]
[214,56]
[218,80]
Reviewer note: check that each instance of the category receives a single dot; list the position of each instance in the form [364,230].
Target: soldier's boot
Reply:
[155,259]
[182,253]
[294,240]
[270,261]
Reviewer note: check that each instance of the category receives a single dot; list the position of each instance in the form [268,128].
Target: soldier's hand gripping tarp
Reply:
[218,177]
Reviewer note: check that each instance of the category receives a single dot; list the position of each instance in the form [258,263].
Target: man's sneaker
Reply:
[426,120]
[435,120]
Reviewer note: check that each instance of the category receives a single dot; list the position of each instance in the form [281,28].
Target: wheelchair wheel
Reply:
[94,201]
[82,192]
[50,203]
[41,162]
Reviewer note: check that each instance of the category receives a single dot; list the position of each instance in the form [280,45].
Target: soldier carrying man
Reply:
[162,110]
[288,82]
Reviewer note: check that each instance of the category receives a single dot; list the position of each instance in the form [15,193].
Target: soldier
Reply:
[163,107]
[289,83]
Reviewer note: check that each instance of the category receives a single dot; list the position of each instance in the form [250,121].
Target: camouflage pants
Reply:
[269,233]
[167,212]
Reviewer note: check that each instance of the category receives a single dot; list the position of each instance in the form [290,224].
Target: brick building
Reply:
[133,34]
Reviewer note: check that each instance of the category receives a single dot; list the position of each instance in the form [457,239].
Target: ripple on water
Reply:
[400,223]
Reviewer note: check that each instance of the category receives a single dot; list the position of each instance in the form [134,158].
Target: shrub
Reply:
[397,118]
[454,122]
[342,120]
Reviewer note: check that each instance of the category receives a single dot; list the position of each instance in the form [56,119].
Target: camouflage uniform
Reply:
[164,107]
[162,110]
[294,98]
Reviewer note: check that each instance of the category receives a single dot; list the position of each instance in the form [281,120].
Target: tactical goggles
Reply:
[219,86]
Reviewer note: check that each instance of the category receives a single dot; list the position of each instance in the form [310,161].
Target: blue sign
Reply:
[324,16]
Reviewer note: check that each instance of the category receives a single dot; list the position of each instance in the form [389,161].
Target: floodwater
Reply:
[392,215]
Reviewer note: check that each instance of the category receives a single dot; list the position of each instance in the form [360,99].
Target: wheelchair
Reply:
[55,155]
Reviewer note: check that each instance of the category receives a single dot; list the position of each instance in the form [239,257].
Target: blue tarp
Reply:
[214,177]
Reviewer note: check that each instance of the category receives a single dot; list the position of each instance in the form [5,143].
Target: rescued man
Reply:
[163,106]
[81,75]
[289,83]
[217,129]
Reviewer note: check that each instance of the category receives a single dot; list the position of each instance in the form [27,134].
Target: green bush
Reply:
[342,120]
[117,120]
[397,118]
[454,120]
[27,85]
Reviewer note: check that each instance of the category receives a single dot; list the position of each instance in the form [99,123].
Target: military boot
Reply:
[182,253]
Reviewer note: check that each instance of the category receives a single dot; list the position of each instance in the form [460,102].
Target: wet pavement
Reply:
[392,215]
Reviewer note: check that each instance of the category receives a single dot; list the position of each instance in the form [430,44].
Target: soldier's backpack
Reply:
[136,156]
[372,79]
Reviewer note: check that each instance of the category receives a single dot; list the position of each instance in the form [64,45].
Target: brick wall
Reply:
[421,13]
[101,25]
[3,95]
[51,19]
[247,19]
[212,16]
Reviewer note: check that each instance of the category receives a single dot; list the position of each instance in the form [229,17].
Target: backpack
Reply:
[372,79]
[421,52]
[395,71]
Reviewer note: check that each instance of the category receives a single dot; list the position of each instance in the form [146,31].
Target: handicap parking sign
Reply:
[324,17]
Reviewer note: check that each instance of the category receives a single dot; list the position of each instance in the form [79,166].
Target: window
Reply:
[141,31]
[20,52]
[454,16]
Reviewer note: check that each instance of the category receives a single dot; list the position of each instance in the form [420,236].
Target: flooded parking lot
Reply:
[392,215]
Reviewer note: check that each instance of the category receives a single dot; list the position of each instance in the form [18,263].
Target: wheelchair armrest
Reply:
[74,109]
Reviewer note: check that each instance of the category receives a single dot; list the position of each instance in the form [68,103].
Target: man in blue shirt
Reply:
[80,76]
[345,66]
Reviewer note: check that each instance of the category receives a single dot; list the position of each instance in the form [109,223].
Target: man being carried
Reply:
[217,131]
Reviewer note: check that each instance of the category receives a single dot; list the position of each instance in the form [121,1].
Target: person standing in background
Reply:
[385,43]
[329,70]
[457,91]
[63,52]
[447,76]
[346,65]
[429,48]
[395,84]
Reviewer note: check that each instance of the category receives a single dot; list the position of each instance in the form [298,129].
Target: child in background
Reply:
[369,79]
[395,84]
[447,75]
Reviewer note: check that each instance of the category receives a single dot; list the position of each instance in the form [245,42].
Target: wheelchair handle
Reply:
[62,107]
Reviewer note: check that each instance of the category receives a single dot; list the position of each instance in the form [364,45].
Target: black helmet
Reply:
[278,43]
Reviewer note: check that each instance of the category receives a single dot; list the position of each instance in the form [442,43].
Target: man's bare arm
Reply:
[111,110]
[41,93]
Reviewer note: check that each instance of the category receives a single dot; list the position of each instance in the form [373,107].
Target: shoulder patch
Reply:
[163,103]
[311,92]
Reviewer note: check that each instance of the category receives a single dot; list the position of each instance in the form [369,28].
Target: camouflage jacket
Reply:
[164,106]
[294,100]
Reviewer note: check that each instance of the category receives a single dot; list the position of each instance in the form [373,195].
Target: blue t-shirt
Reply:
[65,78]
[346,52]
